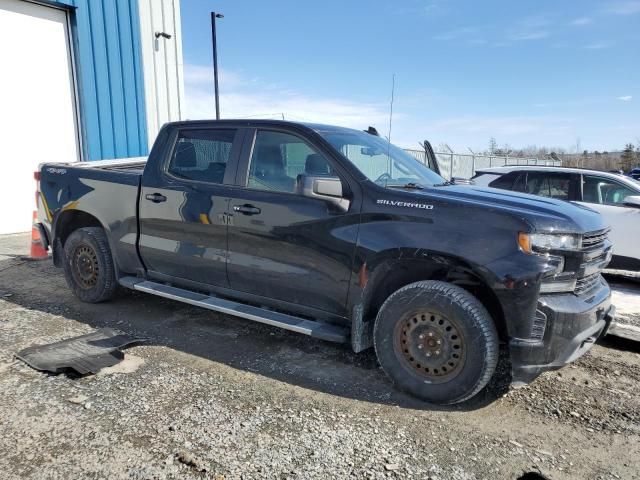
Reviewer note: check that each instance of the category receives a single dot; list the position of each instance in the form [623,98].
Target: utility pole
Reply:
[215,15]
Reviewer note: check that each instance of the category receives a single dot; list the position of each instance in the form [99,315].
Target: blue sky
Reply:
[546,73]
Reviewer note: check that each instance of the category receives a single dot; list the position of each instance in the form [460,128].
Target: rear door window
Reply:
[552,185]
[202,155]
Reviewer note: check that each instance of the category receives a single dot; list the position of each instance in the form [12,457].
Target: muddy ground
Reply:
[211,396]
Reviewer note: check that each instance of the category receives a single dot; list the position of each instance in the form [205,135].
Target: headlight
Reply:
[556,280]
[543,242]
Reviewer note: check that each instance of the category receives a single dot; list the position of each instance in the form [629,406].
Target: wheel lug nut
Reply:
[420,347]
[437,352]
[428,354]
[438,342]
[421,336]
[431,334]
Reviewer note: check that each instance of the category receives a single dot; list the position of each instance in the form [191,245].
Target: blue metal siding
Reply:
[107,51]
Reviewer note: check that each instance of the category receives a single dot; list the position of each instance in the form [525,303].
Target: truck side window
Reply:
[278,158]
[202,155]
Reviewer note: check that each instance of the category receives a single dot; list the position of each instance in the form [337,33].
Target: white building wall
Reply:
[162,63]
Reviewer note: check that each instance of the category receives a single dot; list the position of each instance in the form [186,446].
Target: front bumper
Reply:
[572,324]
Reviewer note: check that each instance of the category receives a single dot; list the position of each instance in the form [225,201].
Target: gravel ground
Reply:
[210,396]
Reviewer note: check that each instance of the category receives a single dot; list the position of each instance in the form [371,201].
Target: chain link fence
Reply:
[465,165]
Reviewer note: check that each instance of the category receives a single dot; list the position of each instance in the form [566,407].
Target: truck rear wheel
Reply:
[88,265]
[436,341]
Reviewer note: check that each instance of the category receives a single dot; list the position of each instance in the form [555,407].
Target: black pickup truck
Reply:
[337,234]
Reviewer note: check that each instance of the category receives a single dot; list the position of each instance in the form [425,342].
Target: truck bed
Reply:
[133,165]
[106,190]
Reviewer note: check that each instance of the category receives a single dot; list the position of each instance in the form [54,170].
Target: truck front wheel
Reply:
[88,265]
[436,341]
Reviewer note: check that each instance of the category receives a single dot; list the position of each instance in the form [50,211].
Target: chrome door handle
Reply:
[156,197]
[246,209]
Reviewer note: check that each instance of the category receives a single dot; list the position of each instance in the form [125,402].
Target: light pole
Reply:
[215,15]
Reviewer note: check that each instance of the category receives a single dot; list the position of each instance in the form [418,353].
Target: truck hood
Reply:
[542,213]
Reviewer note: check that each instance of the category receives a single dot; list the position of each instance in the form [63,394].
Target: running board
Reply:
[324,331]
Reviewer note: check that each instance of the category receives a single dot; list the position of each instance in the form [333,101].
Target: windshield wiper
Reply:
[408,186]
[444,184]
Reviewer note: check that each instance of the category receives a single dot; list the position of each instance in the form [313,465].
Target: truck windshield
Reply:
[382,162]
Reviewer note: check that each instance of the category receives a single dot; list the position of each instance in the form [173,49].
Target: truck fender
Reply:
[389,271]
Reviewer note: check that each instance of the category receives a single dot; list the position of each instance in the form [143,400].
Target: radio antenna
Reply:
[393,89]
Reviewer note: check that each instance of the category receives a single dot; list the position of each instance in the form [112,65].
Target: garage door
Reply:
[37,104]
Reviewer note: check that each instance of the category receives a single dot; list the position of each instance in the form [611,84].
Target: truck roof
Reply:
[253,121]
[513,168]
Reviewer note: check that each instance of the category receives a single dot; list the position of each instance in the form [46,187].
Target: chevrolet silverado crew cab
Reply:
[337,234]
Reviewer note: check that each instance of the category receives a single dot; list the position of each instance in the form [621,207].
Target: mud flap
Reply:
[361,331]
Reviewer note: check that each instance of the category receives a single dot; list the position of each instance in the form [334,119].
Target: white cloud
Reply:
[599,45]
[202,76]
[531,28]
[242,97]
[581,21]
[537,35]
[434,7]
[625,98]
[504,126]
[624,8]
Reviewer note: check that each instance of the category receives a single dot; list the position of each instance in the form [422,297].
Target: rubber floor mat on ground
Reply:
[84,354]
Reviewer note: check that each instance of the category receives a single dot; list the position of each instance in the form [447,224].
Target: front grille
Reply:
[595,239]
[596,251]
[586,284]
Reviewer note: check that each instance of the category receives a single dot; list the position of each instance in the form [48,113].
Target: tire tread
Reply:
[109,284]
[477,312]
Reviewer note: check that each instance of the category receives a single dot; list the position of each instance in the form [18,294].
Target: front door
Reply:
[183,207]
[282,245]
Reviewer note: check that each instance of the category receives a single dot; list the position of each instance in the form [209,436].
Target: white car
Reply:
[615,196]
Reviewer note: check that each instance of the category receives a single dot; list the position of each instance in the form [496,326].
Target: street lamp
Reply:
[215,15]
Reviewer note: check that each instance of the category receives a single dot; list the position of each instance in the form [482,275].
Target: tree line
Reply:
[626,159]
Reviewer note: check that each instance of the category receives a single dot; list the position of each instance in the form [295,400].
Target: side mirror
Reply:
[632,201]
[328,189]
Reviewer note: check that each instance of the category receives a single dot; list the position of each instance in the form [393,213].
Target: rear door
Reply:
[606,196]
[183,206]
[284,246]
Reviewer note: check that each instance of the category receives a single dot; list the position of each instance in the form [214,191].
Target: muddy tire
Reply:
[88,265]
[436,342]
